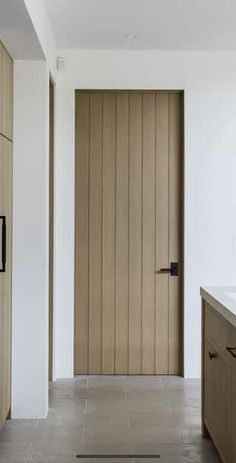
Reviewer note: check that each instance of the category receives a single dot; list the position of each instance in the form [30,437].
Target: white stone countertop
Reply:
[223,300]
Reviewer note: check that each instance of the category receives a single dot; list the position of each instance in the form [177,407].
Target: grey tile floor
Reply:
[113,415]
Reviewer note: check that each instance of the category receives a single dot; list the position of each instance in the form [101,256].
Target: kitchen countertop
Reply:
[223,300]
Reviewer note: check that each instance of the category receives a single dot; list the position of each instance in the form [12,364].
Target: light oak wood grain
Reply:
[95,234]
[6,150]
[8,96]
[162,235]
[6,160]
[232,411]
[122,233]
[135,233]
[217,385]
[109,233]
[82,233]
[129,161]
[175,164]
[148,234]
[2,53]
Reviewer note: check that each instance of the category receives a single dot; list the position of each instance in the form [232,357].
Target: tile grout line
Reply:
[28,458]
[85,406]
[83,438]
[128,413]
[162,383]
[171,410]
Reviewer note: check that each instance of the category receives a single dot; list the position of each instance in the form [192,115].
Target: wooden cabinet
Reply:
[8,97]
[6,148]
[219,382]
[5,275]
[215,393]
[233,395]
[6,93]
[2,53]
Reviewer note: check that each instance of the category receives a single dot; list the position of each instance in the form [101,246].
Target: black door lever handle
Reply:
[173,270]
[4,244]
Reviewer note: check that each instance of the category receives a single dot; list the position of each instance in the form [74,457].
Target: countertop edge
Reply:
[222,303]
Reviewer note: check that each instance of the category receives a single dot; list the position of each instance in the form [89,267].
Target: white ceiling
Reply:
[17,31]
[161,24]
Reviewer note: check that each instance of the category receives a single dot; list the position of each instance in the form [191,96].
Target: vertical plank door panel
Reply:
[148,243]
[129,199]
[122,232]
[135,235]
[82,233]
[95,235]
[174,230]
[162,236]
[109,220]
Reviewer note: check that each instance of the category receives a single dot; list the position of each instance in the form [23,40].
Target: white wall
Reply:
[30,241]
[209,81]
[40,20]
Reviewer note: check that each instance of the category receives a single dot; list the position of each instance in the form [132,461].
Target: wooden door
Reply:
[5,275]
[128,198]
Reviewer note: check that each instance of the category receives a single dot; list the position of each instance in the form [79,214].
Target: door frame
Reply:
[181,212]
[51,228]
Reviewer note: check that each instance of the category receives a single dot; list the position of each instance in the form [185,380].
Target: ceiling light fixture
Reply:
[132,37]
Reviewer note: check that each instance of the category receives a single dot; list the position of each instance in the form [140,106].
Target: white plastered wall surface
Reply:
[30,206]
[209,82]
[30,241]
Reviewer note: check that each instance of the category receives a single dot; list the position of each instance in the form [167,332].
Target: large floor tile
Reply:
[21,423]
[144,382]
[47,434]
[181,405]
[113,415]
[128,405]
[118,418]
[75,383]
[121,435]
[106,392]
[10,453]
[155,418]
[191,434]
[140,394]
[60,454]
[184,454]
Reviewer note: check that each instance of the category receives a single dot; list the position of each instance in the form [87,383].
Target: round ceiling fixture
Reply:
[132,37]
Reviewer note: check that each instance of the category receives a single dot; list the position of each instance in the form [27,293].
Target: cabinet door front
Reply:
[215,403]
[1,88]
[232,353]
[5,275]
[8,96]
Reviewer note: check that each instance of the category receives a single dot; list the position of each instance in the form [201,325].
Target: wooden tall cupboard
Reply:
[6,161]
[219,378]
